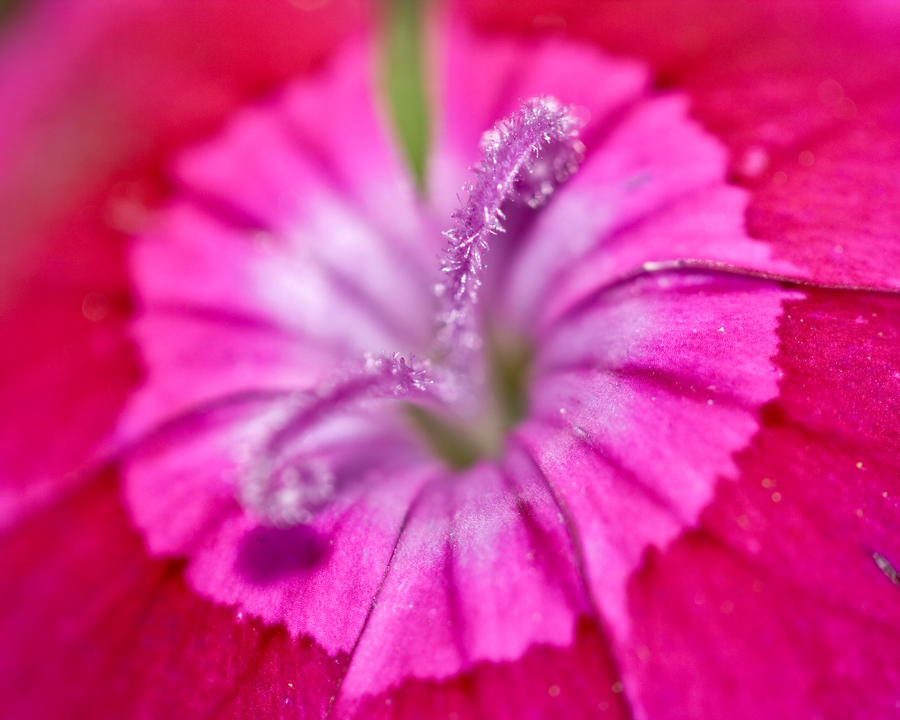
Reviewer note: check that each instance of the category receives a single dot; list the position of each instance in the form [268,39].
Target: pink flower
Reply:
[636,456]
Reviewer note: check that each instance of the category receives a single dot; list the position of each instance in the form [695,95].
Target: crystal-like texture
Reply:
[524,157]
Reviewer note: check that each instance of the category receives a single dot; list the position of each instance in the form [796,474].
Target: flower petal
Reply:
[484,570]
[579,681]
[803,94]
[786,598]
[94,628]
[303,264]
[182,489]
[84,136]
[652,186]
[640,402]
[653,190]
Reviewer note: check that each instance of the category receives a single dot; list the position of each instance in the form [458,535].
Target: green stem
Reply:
[404,81]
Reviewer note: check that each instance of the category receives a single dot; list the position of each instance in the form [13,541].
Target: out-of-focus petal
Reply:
[801,92]
[84,136]
[482,571]
[579,681]
[97,629]
[182,488]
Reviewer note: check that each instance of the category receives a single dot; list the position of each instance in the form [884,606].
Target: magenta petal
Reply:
[652,186]
[785,598]
[834,211]
[302,266]
[578,681]
[640,402]
[83,136]
[183,485]
[299,271]
[483,570]
[96,629]
[653,190]
[801,92]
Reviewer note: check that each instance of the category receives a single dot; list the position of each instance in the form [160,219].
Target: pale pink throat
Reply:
[524,157]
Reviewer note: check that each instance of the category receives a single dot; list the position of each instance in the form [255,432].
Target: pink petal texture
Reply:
[782,603]
[640,402]
[801,92]
[317,578]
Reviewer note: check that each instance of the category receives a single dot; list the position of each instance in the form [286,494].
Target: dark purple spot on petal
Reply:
[269,554]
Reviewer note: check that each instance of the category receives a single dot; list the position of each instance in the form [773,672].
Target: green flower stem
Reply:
[404,81]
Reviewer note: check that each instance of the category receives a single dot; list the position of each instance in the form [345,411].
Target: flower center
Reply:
[471,385]
[524,158]
[462,443]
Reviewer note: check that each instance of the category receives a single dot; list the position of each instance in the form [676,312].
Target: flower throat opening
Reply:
[471,386]
[523,159]
[461,444]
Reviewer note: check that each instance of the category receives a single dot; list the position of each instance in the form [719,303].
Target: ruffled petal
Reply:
[334,199]
[483,571]
[183,486]
[652,186]
[785,600]
[302,265]
[653,190]
[578,681]
[419,576]
[640,402]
